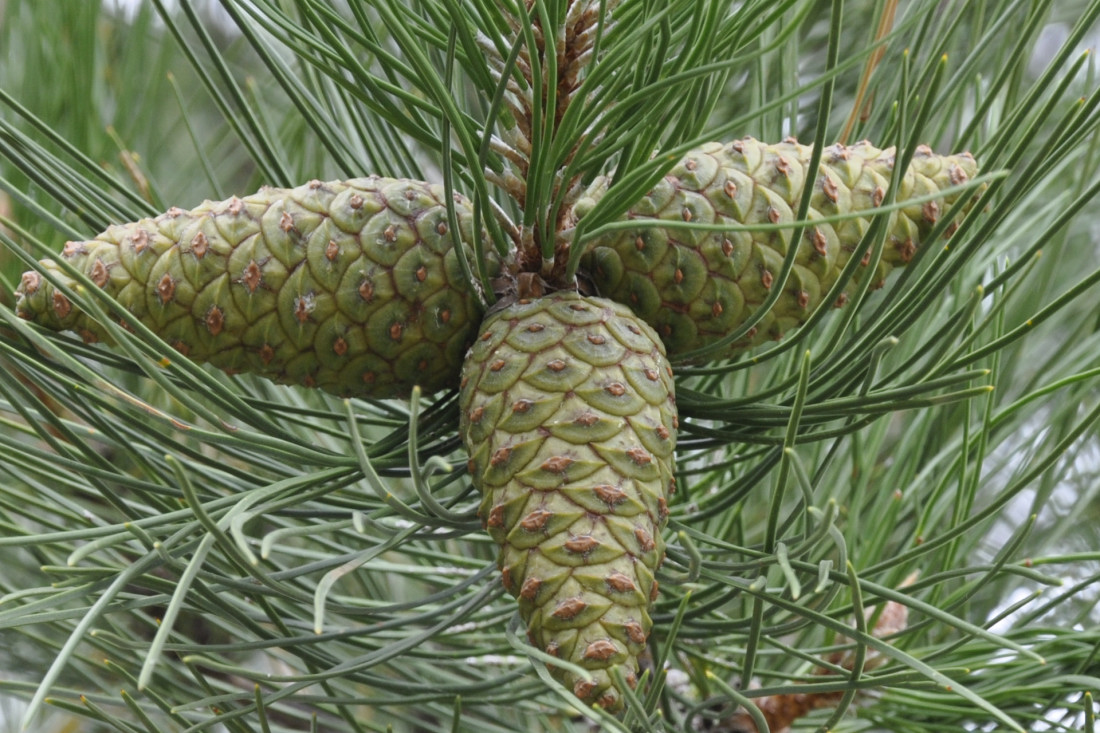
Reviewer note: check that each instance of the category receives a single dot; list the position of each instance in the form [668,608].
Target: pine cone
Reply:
[696,287]
[568,414]
[353,287]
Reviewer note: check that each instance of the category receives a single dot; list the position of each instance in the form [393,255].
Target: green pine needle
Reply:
[189,551]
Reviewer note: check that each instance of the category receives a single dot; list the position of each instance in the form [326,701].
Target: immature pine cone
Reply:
[568,414]
[696,287]
[353,287]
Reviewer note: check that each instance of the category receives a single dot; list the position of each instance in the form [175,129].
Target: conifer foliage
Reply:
[602,348]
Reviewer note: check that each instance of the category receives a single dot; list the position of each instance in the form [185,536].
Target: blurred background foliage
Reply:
[941,455]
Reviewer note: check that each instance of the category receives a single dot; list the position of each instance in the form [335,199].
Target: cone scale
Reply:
[350,286]
[569,416]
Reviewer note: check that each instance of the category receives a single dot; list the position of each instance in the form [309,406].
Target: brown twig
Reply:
[885,25]
[572,44]
[781,711]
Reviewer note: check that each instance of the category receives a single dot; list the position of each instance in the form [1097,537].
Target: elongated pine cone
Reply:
[696,287]
[569,417]
[353,287]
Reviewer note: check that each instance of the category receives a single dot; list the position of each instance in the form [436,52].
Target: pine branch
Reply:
[237,554]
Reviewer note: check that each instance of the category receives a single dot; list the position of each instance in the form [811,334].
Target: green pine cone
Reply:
[568,414]
[696,287]
[353,287]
